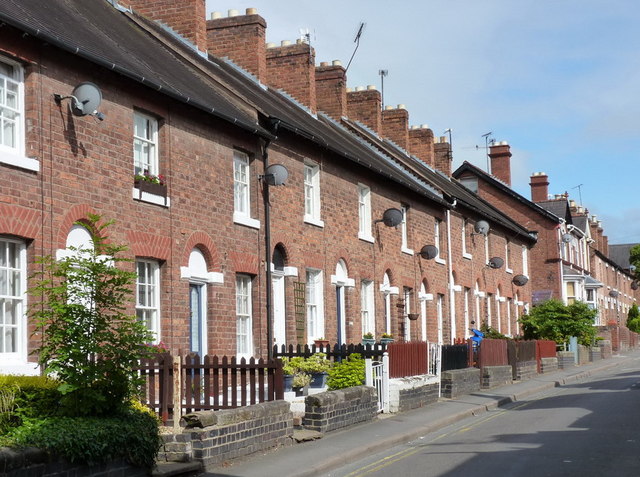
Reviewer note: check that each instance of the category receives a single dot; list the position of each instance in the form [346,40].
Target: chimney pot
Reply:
[216,15]
[336,63]
[285,43]
[388,108]
[359,88]
[424,126]
[299,41]
[271,45]
[232,13]
[402,106]
[349,90]
[371,87]
[324,63]
[251,11]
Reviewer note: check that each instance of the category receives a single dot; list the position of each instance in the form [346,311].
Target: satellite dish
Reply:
[566,238]
[86,99]
[481,227]
[634,285]
[495,262]
[392,217]
[614,293]
[520,280]
[428,252]
[632,268]
[276,175]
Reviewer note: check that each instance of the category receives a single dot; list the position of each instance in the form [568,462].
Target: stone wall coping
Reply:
[340,395]
[454,372]
[227,417]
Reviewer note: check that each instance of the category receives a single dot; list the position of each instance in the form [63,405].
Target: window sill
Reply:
[441,261]
[18,367]
[466,255]
[366,238]
[508,270]
[408,251]
[143,196]
[246,221]
[17,160]
[313,221]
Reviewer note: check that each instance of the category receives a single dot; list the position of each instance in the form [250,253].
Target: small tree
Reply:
[552,320]
[633,318]
[89,342]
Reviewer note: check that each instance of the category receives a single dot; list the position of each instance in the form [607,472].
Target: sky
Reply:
[559,80]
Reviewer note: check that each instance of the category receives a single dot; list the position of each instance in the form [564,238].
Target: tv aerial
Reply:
[357,42]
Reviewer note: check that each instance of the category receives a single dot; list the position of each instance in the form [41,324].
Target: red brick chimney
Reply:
[500,155]
[241,38]
[421,143]
[331,89]
[291,67]
[185,17]
[443,156]
[365,106]
[539,187]
[395,125]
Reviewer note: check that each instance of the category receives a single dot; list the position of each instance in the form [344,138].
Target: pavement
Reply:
[320,456]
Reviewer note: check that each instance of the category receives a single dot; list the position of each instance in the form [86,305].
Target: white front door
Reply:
[279,325]
[341,314]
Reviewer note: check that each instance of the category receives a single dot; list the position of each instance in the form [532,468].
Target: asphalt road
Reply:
[591,428]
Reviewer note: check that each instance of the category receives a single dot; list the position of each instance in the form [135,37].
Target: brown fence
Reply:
[334,353]
[208,384]
[408,359]
[520,352]
[492,353]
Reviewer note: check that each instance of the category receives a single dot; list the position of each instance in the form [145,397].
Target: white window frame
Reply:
[465,252]
[15,155]
[364,213]
[525,260]
[507,256]
[151,283]
[406,295]
[244,316]
[368,316]
[242,190]
[16,360]
[405,230]
[467,325]
[312,204]
[314,304]
[437,238]
[150,139]
[486,249]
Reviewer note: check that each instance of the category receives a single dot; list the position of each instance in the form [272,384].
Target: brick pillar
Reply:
[443,155]
[539,187]
[331,89]
[365,106]
[500,155]
[395,125]
[421,143]
[185,17]
[291,67]
[241,38]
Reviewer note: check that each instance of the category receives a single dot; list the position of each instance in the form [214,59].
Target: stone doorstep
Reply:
[183,469]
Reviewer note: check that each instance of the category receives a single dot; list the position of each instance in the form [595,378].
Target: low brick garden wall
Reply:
[606,349]
[493,376]
[526,370]
[583,355]
[566,359]
[333,410]
[459,382]
[548,365]
[411,393]
[217,436]
[33,462]
[595,353]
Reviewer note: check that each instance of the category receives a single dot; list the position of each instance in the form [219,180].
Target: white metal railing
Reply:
[435,356]
[377,376]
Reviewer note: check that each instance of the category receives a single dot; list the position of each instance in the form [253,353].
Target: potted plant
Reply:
[321,342]
[300,383]
[150,183]
[289,370]
[386,338]
[368,339]
[317,366]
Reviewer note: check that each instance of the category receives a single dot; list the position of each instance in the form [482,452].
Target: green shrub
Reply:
[348,373]
[132,435]
[316,363]
[26,397]
[492,333]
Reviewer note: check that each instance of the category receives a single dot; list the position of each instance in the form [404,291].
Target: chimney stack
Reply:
[331,89]
[500,155]
[539,187]
[443,156]
[395,125]
[364,106]
[185,17]
[241,38]
[421,143]
[291,67]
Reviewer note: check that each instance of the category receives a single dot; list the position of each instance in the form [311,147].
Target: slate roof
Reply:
[149,54]
[581,222]
[619,253]
[558,207]
[468,167]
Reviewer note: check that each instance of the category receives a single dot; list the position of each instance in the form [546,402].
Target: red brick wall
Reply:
[331,89]
[365,106]
[395,126]
[421,144]
[241,39]
[292,69]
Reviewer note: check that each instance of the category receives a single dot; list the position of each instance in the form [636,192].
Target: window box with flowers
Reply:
[150,184]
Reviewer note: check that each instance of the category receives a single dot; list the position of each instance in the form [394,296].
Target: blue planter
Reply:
[318,380]
[288,381]
[368,341]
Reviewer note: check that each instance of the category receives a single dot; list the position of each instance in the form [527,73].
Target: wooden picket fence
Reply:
[177,385]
